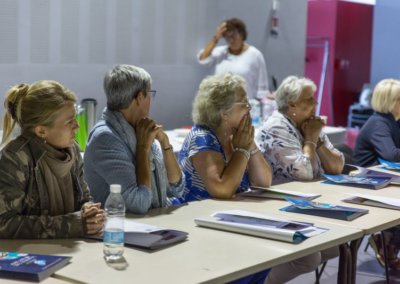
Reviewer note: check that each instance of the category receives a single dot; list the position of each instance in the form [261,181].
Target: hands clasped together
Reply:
[147,130]
[93,218]
[243,136]
[311,128]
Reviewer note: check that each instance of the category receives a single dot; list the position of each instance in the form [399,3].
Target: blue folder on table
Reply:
[323,209]
[364,181]
[389,165]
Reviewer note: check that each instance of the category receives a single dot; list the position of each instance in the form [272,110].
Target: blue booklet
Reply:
[370,182]
[389,165]
[323,209]
[31,267]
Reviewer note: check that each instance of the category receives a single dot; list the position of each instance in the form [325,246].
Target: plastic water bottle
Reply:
[114,235]
[255,112]
[268,106]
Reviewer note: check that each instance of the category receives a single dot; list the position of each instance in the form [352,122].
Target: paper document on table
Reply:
[373,200]
[260,225]
[277,193]
[131,226]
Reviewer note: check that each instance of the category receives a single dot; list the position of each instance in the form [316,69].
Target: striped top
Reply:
[199,139]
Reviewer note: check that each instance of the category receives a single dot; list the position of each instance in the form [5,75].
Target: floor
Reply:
[368,271]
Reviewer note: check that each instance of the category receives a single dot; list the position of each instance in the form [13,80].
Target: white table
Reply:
[208,256]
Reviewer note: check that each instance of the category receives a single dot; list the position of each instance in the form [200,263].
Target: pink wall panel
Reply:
[352,56]
[348,28]
[321,23]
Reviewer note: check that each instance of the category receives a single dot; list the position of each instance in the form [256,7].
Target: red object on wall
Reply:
[348,29]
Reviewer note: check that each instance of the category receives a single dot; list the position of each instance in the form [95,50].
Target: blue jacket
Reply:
[378,138]
[109,160]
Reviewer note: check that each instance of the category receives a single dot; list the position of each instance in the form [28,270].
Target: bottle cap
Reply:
[115,188]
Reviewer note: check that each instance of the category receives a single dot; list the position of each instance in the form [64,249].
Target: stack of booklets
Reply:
[265,226]
[149,236]
[30,267]
[324,209]
[353,170]
[373,200]
[275,193]
[357,176]
[370,182]
[389,165]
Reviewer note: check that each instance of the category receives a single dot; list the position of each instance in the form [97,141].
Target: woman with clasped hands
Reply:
[292,139]
[42,191]
[219,157]
[122,147]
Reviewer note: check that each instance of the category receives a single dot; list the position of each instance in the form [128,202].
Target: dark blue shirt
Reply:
[378,138]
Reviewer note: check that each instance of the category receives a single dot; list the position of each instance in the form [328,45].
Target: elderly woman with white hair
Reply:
[219,158]
[292,139]
[122,147]
[293,142]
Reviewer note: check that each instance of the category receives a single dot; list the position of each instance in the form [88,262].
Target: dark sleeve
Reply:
[382,140]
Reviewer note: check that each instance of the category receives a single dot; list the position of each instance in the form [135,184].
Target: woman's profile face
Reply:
[62,133]
[305,105]
[240,108]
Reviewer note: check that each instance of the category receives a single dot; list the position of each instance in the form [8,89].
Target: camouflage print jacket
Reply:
[24,201]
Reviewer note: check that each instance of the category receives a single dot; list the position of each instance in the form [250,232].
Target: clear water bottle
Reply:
[268,106]
[114,235]
[255,112]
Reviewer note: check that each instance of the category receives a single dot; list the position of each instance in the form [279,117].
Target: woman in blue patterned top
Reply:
[219,157]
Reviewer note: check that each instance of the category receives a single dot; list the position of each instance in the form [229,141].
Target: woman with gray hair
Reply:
[293,142]
[122,150]
[292,139]
[219,157]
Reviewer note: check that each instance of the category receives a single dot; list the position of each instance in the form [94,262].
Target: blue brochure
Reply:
[389,165]
[31,267]
[370,182]
[323,209]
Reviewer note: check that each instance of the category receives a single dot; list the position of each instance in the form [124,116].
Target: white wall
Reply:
[76,41]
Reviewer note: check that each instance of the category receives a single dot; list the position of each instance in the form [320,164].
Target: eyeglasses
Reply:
[231,35]
[153,93]
[246,104]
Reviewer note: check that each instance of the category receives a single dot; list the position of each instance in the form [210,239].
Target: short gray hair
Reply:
[123,83]
[216,94]
[290,90]
[385,95]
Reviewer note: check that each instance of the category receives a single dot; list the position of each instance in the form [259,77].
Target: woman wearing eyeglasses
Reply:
[219,157]
[292,139]
[237,57]
[121,148]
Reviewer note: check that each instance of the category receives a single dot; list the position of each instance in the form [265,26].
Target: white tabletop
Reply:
[208,256]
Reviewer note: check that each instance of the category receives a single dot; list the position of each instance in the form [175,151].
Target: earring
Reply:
[44,139]
[294,114]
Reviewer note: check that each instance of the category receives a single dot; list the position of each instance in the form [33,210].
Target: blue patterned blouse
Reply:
[199,139]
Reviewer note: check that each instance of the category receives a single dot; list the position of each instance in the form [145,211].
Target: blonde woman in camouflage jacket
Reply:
[42,191]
